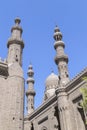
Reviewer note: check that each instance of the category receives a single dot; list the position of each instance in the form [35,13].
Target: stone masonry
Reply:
[61,108]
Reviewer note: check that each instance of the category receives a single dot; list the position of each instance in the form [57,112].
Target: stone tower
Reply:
[30,93]
[12,105]
[15,44]
[64,105]
[61,58]
[15,80]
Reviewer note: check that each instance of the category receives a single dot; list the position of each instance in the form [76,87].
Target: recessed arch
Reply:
[44,128]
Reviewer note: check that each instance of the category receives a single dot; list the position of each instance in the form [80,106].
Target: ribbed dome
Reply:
[51,84]
[51,81]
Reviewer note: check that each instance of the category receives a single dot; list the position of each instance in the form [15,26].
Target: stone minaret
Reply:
[15,44]
[61,58]
[30,93]
[15,80]
[64,105]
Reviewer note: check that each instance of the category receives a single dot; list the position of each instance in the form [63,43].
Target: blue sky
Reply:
[38,19]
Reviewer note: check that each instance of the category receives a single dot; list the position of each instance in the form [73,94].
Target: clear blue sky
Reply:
[39,18]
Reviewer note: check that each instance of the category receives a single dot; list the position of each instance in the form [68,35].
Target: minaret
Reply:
[61,58]
[64,105]
[15,80]
[15,44]
[30,93]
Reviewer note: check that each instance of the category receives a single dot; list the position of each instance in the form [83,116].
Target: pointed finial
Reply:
[56,29]
[16,31]
[17,20]
[17,26]
[30,66]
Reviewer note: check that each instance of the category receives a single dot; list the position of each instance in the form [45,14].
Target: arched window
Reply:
[44,128]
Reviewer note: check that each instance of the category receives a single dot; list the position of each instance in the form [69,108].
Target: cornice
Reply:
[76,80]
[43,107]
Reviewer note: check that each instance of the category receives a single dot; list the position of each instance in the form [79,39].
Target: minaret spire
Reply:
[15,44]
[64,106]
[61,59]
[30,93]
[15,81]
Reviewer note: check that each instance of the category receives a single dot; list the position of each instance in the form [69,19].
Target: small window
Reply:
[44,128]
[16,58]
[13,118]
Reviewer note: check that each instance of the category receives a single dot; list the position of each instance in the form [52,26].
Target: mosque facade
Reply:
[61,108]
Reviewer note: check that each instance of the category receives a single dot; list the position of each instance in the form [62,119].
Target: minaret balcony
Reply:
[16,28]
[30,79]
[57,36]
[15,41]
[61,58]
[59,43]
[30,92]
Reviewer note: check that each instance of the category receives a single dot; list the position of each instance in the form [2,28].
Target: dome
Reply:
[51,81]
[51,84]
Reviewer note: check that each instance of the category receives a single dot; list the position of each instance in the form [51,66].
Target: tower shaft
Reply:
[64,105]
[61,58]
[15,82]
[30,93]
[15,44]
